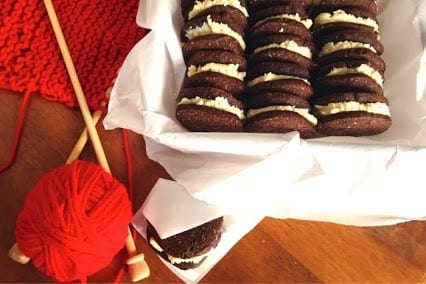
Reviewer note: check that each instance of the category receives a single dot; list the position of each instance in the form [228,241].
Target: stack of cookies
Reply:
[349,97]
[213,49]
[190,248]
[280,51]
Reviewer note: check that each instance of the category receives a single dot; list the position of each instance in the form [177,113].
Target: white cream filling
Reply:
[362,69]
[226,69]
[290,45]
[212,27]
[272,77]
[295,17]
[301,111]
[155,245]
[219,103]
[342,16]
[177,260]
[201,6]
[331,47]
[333,108]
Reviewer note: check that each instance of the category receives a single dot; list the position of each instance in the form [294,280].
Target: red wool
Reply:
[74,221]
[99,35]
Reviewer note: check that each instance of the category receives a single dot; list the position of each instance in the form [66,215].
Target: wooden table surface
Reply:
[275,251]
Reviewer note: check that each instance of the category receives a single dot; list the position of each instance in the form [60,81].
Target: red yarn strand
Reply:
[18,131]
[129,163]
[130,181]
[120,275]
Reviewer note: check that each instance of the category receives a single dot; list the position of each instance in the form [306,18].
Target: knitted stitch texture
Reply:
[99,35]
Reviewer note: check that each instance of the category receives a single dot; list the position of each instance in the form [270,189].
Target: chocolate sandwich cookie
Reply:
[349,20]
[237,15]
[291,11]
[211,42]
[274,26]
[355,82]
[254,5]
[192,9]
[352,114]
[279,77]
[284,48]
[291,86]
[228,69]
[276,112]
[300,45]
[200,5]
[188,249]
[209,109]
[217,80]
[224,62]
[279,68]
[215,23]
[354,54]
[277,53]
[369,6]
[344,27]
[341,40]
[348,67]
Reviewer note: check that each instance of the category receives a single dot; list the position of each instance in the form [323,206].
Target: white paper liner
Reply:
[234,227]
[367,181]
[175,204]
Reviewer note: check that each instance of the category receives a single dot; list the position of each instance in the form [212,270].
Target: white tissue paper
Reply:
[367,181]
[175,215]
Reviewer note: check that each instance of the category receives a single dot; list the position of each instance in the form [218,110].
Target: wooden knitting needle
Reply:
[138,268]
[81,99]
[82,140]
[14,252]
[84,136]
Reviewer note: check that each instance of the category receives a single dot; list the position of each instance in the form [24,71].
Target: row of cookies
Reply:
[277,90]
[214,51]
[276,94]
[209,100]
[280,55]
[214,95]
[349,77]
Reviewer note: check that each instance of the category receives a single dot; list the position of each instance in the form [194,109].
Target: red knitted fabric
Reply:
[99,35]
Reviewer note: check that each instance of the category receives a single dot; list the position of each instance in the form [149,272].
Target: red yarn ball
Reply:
[74,221]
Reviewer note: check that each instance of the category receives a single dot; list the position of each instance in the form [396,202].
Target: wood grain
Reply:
[275,251]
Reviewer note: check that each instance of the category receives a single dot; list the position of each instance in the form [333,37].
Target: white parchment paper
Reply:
[368,181]
[174,201]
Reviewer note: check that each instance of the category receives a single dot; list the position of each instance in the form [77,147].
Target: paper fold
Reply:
[210,165]
[179,210]
[367,181]
[173,210]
